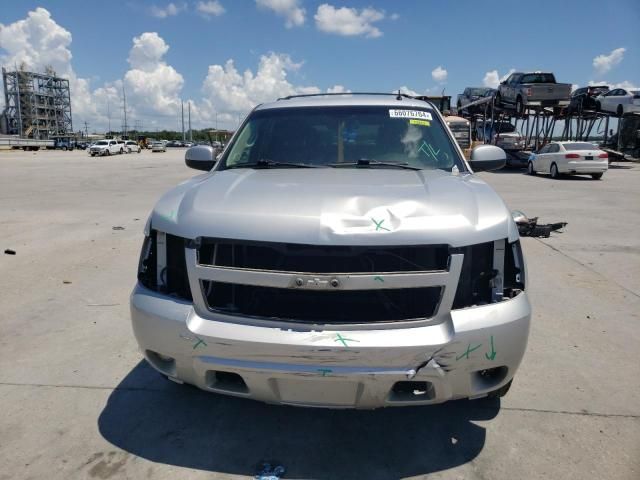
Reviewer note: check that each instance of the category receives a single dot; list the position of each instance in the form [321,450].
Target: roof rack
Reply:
[398,95]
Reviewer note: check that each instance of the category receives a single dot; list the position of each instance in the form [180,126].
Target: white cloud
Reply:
[407,91]
[439,74]
[604,63]
[626,84]
[394,16]
[154,87]
[170,10]
[338,89]
[37,42]
[293,14]
[492,79]
[348,21]
[227,90]
[210,9]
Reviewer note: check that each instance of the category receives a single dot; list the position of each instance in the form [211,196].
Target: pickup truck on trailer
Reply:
[533,89]
[339,253]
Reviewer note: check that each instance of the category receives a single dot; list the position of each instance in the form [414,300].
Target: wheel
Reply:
[519,106]
[598,106]
[64,149]
[500,392]
[108,152]
[139,150]
[530,169]
[554,171]
[619,110]
[596,176]
[121,151]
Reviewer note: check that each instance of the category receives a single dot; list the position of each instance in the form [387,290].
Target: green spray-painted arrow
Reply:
[492,355]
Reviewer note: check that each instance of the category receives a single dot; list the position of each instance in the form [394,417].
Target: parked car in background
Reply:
[501,134]
[132,146]
[122,145]
[532,89]
[585,98]
[158,147]
[619,101]
[569,158]
[472,94]
[104,147]
[461,129]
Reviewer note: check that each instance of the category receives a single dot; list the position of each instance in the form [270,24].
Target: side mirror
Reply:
[200,157]
[487,157]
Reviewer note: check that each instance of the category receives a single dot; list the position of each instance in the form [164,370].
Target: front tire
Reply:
[597,176]
[530,169]
[554,171]
[620,111]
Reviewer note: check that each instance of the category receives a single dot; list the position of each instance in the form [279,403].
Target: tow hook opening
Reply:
[408,391]
[164,363]
[227,381]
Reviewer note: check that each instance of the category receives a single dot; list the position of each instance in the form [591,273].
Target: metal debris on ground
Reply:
[269,472]
[529,227]
[9,252]
[117,228]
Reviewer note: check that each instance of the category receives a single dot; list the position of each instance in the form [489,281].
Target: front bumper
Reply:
[329,368]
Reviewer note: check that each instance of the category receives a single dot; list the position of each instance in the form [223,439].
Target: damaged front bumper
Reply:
[472,352]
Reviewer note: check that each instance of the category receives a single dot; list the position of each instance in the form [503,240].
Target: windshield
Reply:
[478,91]
[580,146]
[101,143]
[538,78]
[330,136]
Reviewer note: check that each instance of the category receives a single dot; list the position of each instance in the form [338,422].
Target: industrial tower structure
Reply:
[36,105]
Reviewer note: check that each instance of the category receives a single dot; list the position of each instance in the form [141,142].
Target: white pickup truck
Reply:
[105,147]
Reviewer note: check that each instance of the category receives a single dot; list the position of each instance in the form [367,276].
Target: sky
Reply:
[222,57]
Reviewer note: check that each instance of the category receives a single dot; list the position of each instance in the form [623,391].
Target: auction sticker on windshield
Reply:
[419,114]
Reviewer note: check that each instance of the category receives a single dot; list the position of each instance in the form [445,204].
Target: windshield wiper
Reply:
[365,162]
[265,163]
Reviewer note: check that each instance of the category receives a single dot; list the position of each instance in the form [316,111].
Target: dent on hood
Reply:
[334,207]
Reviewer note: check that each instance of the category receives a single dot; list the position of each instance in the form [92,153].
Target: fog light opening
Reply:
[411,391]
[227,381]
[161,362]
[489,378]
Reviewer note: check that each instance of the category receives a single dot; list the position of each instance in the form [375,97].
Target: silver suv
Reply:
[340,253]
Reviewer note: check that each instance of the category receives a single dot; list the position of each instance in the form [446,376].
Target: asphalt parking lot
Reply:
[78,402]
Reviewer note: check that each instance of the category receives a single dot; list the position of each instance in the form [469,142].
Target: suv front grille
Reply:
[326,306]
[291,257]
[322,284]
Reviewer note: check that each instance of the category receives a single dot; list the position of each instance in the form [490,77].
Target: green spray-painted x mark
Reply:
[343,340]
[199,342]
[379,225]
[469,350]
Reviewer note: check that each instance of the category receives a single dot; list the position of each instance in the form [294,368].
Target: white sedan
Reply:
[619,101]
[158,147]
[571,158]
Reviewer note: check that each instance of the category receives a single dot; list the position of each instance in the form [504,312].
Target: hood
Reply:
[337,206]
